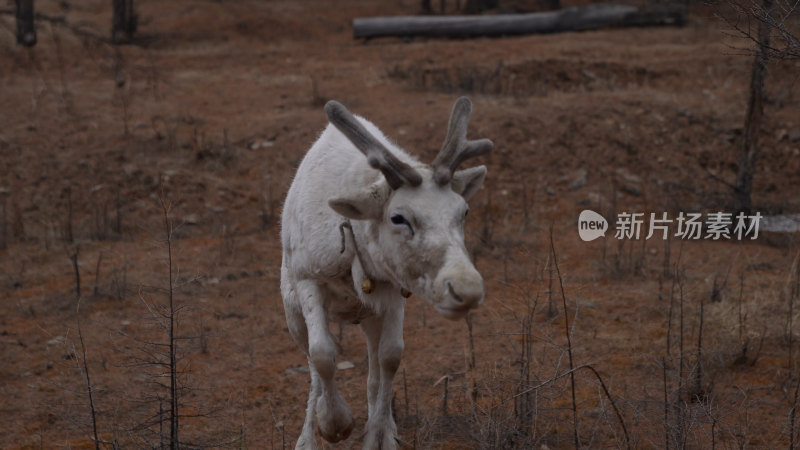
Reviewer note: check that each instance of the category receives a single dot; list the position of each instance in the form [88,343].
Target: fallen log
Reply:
[577,18]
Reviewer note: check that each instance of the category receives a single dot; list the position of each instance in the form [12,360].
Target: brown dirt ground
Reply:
[214,106]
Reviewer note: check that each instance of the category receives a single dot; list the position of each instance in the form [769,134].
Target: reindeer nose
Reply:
[465,294]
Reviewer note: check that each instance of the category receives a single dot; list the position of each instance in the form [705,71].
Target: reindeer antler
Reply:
[456,147]
[379,157]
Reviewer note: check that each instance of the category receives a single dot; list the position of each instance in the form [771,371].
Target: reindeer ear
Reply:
[363,205]
[467,182]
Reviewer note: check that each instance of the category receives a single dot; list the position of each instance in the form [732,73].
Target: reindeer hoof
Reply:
[334,435]
[334,421]
[381,438]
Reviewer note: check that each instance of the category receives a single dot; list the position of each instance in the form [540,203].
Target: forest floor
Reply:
[209,113]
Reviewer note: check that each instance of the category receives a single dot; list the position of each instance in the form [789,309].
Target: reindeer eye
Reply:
[398,219]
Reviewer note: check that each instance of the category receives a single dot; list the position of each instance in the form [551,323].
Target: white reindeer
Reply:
[360,234]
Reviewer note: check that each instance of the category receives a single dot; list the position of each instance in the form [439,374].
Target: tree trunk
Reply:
[123,22]
[476,6]
[426,7]
[550,5]
[755,112]
[569,19]
[26,31]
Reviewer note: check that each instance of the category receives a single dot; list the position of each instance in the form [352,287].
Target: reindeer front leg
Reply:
[384,335]
[333,417]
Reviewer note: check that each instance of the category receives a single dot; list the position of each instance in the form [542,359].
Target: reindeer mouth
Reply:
[453,313]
